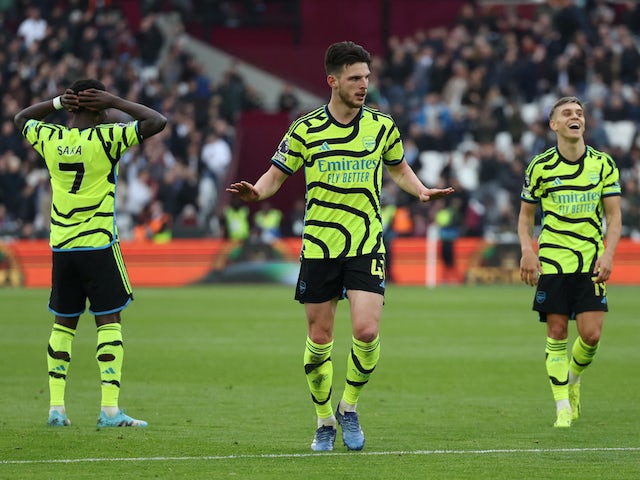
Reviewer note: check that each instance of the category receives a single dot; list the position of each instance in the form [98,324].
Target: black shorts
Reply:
[321,280]
[569,294]
[97,275]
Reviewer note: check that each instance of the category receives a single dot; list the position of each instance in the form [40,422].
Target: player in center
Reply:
[342,147]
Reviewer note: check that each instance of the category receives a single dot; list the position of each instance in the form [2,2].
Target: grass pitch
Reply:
[460,391]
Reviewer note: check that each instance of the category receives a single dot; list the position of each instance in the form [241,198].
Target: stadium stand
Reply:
[494,69]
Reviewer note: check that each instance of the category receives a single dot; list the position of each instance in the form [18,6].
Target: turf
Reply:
[460,391]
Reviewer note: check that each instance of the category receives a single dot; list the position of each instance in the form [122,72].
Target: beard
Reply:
[350,101]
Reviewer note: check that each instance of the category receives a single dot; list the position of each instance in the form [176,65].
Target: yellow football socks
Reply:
[361,363]
[319,371]
[58,360]
[110,354]
[557,364]
[581,356]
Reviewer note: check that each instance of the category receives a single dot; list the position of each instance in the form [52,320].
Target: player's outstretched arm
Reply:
[407,180]
[266,186]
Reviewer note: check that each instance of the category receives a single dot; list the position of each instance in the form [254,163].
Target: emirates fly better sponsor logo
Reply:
[347,170]
[576,202]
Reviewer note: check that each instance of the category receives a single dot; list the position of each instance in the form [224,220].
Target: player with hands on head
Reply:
[576,187]
[342,147]
[87,263]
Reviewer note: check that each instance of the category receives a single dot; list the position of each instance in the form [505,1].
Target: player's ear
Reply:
[332,80]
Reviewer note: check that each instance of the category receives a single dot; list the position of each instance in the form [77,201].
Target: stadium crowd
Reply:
[472,101]
[470,98]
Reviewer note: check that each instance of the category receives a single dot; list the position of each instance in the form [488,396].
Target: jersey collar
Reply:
[580,160]
[355,120]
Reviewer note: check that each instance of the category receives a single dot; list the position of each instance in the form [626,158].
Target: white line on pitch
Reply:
[304,455]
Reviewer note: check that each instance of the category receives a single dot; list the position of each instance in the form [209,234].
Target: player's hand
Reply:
[435,193]
[94,99]
[69,100]
[602,269]
[244,190]
[530,268]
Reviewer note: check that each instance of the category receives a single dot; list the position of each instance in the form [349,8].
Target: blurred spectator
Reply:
[236,220]
[631,209]
[231,91]
[596,135]
[388,201]
[33,28]
[139,193]
[288,101]
[150,40]
[268,221]
[456,86]
[448,220]
[631,15]
[596,88]
[402,222]
[187,224]
[411,152]
[466,169]
[616,108]
[431,124]
[539,141]
[629,56]
[568,19]
[8,226]
[293,223]
[12,184]
[154,224]
[9,141]
[177,189]
[216,157]
[26,212]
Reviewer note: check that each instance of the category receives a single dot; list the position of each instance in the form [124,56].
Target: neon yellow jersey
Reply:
[343,173]
[83,165]
[237,219]
[570,195]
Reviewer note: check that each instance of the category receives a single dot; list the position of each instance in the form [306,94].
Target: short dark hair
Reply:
[86,84]
[342,54]
[562,101]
